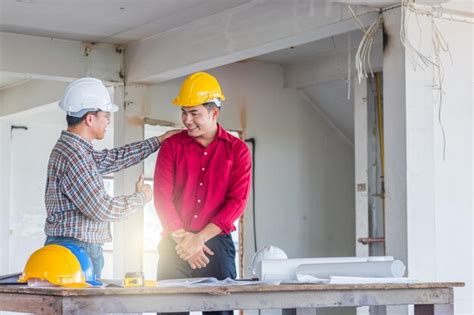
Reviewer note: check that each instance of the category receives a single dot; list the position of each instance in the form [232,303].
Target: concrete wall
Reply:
[304,170]
[429,178]
[453,177]
[25,158]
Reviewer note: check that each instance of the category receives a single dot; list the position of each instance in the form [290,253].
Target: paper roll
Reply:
[378,269]
[285,269]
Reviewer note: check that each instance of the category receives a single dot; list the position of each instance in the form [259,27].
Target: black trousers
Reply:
[221,265]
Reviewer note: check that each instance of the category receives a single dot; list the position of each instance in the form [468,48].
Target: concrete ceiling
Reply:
[116,22]
[330,97]
[311,50]
[7,81]
[125,21]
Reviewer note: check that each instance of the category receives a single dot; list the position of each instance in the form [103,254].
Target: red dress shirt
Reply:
[195,185]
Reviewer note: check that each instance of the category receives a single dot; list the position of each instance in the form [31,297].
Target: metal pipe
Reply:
[378,86]
[370,240]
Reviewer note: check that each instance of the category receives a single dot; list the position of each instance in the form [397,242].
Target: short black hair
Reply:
[210,106]
[74,121]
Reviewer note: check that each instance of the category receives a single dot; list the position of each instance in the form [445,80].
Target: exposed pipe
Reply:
[378,85]
[370,240]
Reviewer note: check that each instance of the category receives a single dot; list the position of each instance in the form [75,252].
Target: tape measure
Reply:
[134,279]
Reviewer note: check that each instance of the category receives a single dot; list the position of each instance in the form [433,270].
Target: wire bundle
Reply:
[362,57]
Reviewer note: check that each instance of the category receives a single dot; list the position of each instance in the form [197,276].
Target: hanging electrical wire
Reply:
[418,58]
[431,58]
[439,45]
[362,57]
[442,13]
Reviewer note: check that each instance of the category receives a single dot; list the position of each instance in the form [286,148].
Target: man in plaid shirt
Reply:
[79,210]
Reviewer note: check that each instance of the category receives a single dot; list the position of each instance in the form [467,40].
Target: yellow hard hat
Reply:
[197,89]
[55,264]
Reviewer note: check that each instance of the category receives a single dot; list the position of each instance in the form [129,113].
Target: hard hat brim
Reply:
[110,108]
[113,108]
[191,103]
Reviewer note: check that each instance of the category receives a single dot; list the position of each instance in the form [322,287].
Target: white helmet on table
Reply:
[86,95]
[266,252]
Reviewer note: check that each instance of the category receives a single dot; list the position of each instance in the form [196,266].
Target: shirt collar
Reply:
[221,134]
[76,140]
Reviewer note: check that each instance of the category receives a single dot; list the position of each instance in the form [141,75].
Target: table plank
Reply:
[183,299]
[222,290]
[28,303]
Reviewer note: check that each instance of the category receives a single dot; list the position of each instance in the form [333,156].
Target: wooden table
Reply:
[428,298]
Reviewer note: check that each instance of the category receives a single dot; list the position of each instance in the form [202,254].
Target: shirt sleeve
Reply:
[84,187]
[114,160]
[164,193]
[237,191]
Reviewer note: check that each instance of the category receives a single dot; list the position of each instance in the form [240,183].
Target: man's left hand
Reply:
[198,261]
[189,246]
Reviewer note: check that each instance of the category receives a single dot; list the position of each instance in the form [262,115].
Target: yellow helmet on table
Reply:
[55,264]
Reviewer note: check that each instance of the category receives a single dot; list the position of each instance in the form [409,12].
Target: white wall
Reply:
[429,196]
[24,160]
[454,175]
[28,163]
[304,171]
[4,194]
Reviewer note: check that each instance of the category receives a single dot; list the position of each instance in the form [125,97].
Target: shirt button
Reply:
[205,153]
[195,216]
[203,169]
[199,200]
[200,184]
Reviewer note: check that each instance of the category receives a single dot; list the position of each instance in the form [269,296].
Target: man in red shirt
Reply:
[202,181]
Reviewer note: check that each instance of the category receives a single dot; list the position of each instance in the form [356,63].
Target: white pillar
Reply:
[128,127]
[361,172]
[4,196]
[395,139]
[409,175]
[409,111]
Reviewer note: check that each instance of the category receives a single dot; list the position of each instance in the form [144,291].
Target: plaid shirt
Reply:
[77,204]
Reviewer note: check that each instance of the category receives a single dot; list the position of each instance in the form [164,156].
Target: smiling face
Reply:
[99,123]
[200,121]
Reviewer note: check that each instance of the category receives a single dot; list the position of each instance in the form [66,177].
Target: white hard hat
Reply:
[266,252]
[85,95]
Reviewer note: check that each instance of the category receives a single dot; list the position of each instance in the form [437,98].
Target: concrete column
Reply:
[395,138]
[361,171]
[4,195]
[128,127]
[409,175]
[409,110]
[361,180]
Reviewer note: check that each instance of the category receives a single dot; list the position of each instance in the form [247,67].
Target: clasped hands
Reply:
[191,248]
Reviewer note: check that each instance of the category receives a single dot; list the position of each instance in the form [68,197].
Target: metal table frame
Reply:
[428,298]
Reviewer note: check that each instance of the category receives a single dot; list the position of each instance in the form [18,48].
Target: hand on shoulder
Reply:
[168,134]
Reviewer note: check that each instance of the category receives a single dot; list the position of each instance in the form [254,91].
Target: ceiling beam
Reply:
[34,57]
[247,31]
[29,95]
[327,68]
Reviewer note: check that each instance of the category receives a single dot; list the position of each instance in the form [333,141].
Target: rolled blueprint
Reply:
[285,269]
[374,269]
